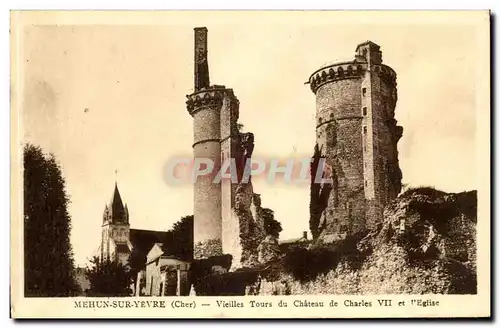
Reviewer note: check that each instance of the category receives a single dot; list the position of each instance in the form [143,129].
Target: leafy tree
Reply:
[136,262]
[271,225]
[181,235]
[319,196]
[108,278]
[48,258]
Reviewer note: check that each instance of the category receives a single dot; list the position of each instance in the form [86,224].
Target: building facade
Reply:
[357,134]
[163,275]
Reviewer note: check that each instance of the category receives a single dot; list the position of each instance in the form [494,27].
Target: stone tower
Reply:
[214,109]
[357,134]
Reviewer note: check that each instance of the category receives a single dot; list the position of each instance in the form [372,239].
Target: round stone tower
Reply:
[357,134]
[205,105]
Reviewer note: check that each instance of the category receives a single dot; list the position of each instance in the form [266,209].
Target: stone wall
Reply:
[205,106]
[230,146]
[153,280]
[339,138]
[387,176]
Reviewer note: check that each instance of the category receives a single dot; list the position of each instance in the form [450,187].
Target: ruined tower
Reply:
[214,109]
[357,134]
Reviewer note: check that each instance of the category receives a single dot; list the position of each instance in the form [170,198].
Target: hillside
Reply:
[425,245]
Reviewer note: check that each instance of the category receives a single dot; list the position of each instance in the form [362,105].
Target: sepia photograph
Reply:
[250,164]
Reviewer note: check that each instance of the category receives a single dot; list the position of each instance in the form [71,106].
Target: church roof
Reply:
[143,240]
[115,211]
[116,198]
[116,203]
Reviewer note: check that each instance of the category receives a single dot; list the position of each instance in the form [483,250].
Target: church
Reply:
[118,239]
[160,273]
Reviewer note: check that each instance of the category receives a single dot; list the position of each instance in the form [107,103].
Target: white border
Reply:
[150,5]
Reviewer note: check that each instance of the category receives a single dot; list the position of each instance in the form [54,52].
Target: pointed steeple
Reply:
[116,207]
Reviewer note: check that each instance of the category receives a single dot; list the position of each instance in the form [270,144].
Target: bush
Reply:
[423,190]
[307,264]
[108,278]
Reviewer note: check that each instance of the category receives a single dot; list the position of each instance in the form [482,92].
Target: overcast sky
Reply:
[106,98]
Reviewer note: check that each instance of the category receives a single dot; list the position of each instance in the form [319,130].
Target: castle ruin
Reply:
[357,135]
[222,211]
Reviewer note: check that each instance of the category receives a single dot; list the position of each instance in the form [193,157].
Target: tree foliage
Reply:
[319,196]
[136,263]
[108,278]
[271,225]
[48,257]
[181,238]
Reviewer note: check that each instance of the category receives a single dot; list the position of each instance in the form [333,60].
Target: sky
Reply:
[106,98]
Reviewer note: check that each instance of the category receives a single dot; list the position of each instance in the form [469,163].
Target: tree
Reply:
[136,262]
[48,258]
[319,196]
[181,234]
[271,225]
[108,278]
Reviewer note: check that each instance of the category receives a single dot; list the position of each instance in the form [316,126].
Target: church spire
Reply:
[118,212]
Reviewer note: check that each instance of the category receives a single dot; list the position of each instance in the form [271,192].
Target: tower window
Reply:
[364,111]
[364,91]
[365,129]
[366,183]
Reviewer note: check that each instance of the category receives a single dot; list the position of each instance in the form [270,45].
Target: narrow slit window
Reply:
[365,130]
[364,111]
[364,91]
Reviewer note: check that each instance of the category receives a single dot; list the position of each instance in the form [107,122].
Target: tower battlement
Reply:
[348,70]
[211,97]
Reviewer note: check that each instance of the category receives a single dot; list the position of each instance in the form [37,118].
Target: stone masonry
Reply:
[215,111]
[357,134]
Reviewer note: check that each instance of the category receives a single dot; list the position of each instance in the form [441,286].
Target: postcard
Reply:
[250,164]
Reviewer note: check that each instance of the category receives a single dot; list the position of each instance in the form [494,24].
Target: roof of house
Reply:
[143,240]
